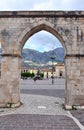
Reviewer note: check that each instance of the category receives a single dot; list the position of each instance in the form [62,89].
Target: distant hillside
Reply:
[35,57]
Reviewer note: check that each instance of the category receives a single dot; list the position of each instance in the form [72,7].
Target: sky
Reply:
[42,41]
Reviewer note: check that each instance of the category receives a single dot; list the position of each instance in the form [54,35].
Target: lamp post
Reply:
[52,58]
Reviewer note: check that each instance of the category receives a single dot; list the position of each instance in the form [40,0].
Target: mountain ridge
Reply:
[33,56]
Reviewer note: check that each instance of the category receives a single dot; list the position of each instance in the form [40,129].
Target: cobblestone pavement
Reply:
[45,92]
[79,114]
[36,122]
[43,84]
[43,105]
[39,113]
[41,110]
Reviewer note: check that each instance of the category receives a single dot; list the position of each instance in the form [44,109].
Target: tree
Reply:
[42,75]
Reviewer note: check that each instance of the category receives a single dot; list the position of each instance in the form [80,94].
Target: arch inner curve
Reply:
[28,33]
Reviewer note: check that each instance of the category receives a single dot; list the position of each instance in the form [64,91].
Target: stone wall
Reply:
[17,27]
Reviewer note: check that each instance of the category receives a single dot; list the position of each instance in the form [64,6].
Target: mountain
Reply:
[32,57]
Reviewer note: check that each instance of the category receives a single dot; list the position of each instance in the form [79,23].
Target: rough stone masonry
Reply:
[16,27]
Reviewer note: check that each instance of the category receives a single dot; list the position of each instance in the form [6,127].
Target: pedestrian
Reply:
[34,79]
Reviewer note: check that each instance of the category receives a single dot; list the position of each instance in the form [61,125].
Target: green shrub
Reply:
[42,75]
[27,74]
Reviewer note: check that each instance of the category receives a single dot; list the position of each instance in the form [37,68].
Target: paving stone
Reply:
[79,114]
[48,116]
[36,122]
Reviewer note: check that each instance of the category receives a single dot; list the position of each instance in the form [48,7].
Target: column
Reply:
[10,77]
[74,80]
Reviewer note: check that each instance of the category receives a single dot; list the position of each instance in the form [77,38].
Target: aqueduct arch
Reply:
[43,25]
[16,27]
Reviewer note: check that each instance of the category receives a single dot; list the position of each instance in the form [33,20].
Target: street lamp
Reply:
[52,58]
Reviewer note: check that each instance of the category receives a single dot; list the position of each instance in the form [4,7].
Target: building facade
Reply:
[58,72]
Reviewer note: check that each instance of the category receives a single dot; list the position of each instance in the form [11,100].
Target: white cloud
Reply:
[41,5]
[42,41]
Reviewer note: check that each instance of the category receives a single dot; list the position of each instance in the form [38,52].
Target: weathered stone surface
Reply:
[18,26]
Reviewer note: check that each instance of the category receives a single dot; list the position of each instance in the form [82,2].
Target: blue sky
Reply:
[42,41]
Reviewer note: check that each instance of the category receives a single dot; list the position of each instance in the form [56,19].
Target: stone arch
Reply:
[43,25]
[67,26]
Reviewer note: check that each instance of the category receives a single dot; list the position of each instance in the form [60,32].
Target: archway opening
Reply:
[38,51]
[31,66]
